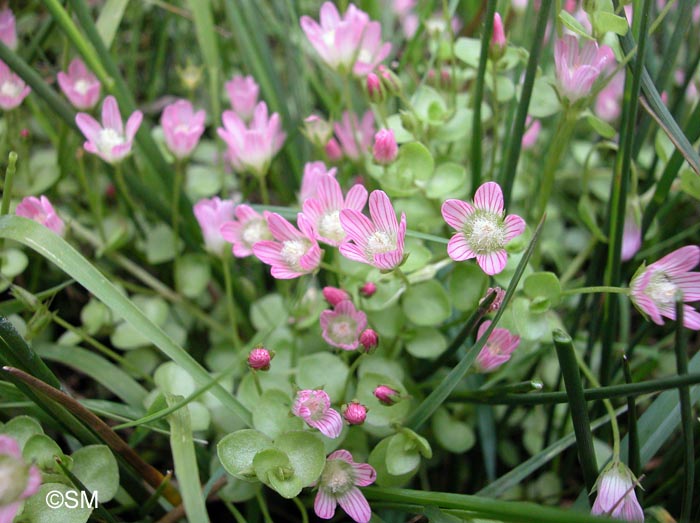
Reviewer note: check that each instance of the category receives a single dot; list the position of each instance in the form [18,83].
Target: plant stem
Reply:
[596,289]
[263,506]
[230,304]
[8,182]
[175,207]
[687,421]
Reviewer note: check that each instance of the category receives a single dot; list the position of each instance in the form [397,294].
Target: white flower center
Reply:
[337,477]
[255,231]
[380,242]
[181,128]
[316,407]
[81,86]
[343,329]
[329,226]
[485,232]
[364,56]
[292,251]
[10,89]
[329,38]
[108,139]
[661,290]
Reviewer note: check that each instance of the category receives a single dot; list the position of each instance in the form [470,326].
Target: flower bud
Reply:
[317,130]
[334,295]
[354,413]
[616,497]
[391,82]
[409,122]
[498,39]
[333,150]
[376,92]
[385,147]
[369,339]
[386,395]
[259,358]
[368,289]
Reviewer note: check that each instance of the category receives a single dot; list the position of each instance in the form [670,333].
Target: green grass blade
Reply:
[110,17]
[186,470]
[16,352]
[65,257]
[634,462]
[687,421]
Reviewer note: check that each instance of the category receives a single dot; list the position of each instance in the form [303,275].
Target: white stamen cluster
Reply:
[293,250]
[485,232]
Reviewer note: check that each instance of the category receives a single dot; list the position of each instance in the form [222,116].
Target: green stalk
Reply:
[687,420]
[634,460]
[479,95]
[8,182]
[230,303]
[579,409]
[595,289]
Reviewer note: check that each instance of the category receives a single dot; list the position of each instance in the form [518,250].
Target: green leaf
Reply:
[377,459]
[237,451]
[381,417]
[455,436]
[605,22]
[41,450]
[322,370]
[447,180]
[426,304]
[531,325]
[402,456]
[543,284]
[467,284]
[572,24]
[111,15]
[94,316]
[426,343]
[690,184]
[544,101]
[36,509]
[192,274]
[274,468]
[306,455]
[468,50]
[271,414]
[603,128]
[268,312]
[13,263]
[21,428]
[414,162]
[97,469]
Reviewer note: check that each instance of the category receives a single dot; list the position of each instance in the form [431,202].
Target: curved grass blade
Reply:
[687,421]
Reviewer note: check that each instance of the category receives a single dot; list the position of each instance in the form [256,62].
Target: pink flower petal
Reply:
[456,213]
[324,505]
[111,118]
[364,474]
[382,212]
[515,226]
[489,197]
[493,262]
[354,503]
[458,248]
[357,226]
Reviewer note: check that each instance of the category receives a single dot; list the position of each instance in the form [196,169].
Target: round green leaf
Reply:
[377,459]
[544,101]
[274,469]
[448,179]
[237,451]
[192,274]
[21,428]
[36,509]
[426,343]
[41,450]
[426,304]
[172,379]
[268,312]
[306,454]
[13,262]
[96,468]
[543,284]
[271,414]
[467,285]
[453,435]
[94,316]
[420,255]
[322,370]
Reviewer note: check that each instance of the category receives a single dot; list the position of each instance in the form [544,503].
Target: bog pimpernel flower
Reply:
[355,137]
[342,326]
[40,210]
[334,295]
[8,28]
[79,85]
[482,229]
[18,480]
[654,288]
[314,407]
[211,215]
[577,70]
[385,148]
[324,210]
[110,141]
[295,251]
[243,94]
[498,348]
[249,228]
[12,88]
[338,486]
[182,127]
[379,241]
[314,172]
[251,147]
[616,497]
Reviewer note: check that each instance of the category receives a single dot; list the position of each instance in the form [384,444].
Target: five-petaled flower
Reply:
[110,141]
[314,407]
[294,252]
[338,486]
[482,230]
[616,497]
[182,127]
[79,85]
[577,70]
[211,215]
[379,241]
[498,348]
[243,94]
[12,88]
[246,230]
[655,289]
[343,325]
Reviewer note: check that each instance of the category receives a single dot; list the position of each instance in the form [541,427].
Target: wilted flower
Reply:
[385,148]
[314,407]
[246,230]
[8,28]
[12,88]
[338,486]
[577,70]
[355,137]
[259,358]
[654,289]
[616,497]
[334,295]
[40,210]
[110,141]
[342,326]
[379,241]
[294,253]
[243,94]
[79,85]
[354,413]
[498,348]
[482,229]
[18,481]
[182,127]
[211,215]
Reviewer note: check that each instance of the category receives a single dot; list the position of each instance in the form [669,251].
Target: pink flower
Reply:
[243,93]
[653,289]
[632,231]
[498,38]
[79,85]
[333,150]
[324,210]
[40,210]
[385,147]
[246,230]
[369,339]
[182,127]
[499,346]
[110,141]
[314,172]
[18,481]
[259,358]
[577,70]
[12,88]
[342,325]
[314,407]
[608,103]
[355,413]
[368,289]
[372,50]
[334,295]
[338,486]
[355,137]
[378,242]
[533,131]
[386,395]
[374,89]
[294,252]
[252,147]
[8,29]
[616,497]
[211,215]
[497,301]
[482,230]
[318,130]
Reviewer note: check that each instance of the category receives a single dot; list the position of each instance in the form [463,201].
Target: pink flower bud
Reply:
[333,150]
[391,82]
[498,301]
[259,358]
[498,39]
[386,395]
[368,289]
[385,147]
[374,88]
[354,413]
[334,295]
[24,133]
[369,340]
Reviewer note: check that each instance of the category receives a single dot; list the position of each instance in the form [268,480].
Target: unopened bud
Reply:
[259,358]
[369,340]
[190,76]
[498,39]
[498,300]
[334,295]
[368,289]
[409,122]
[354,413]
[391,82]
[333,150]
[385,147]
[386,395]
[317,130]
[376,92]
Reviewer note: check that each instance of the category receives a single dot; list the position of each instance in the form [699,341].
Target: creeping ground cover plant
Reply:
[370,261]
